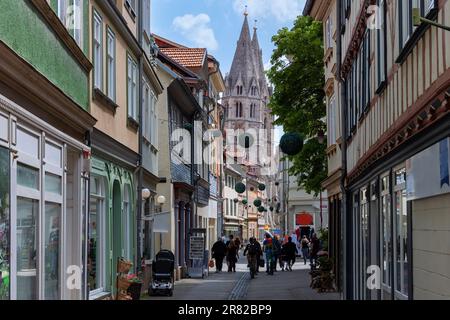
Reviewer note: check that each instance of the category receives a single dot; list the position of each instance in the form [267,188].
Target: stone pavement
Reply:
[238,286]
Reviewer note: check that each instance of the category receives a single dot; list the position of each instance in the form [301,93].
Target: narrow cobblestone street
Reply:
[238,286]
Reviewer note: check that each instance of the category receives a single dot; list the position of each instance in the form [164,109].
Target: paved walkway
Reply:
[238,286]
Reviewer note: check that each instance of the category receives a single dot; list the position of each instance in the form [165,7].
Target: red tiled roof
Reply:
[187,57]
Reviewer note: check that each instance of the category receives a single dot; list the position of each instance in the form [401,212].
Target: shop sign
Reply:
[427,173]
[197,247]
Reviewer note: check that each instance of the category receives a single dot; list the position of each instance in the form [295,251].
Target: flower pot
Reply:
[135,290]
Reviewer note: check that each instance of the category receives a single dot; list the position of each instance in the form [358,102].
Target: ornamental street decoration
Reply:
[271,208]
[291,143]
[262,187]
[239,187]
[244,201]
[257,202]
[262,209]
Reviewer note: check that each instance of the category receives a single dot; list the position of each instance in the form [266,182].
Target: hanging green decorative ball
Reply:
[262,187]
[245,201]
[236,200]
[257,202]
[261,209]
[239,187]
[291,143]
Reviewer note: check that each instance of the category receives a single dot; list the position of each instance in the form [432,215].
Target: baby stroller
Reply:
[163,274]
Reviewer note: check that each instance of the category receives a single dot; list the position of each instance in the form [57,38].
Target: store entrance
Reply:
[116,228]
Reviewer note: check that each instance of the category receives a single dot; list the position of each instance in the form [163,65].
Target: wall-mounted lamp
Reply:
[146,194]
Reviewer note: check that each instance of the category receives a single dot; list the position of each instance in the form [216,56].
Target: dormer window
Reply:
[239,90]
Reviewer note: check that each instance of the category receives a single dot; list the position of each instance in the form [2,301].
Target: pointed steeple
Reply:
[259,64]
[243,65]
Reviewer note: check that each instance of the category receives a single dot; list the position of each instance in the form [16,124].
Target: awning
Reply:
[304,219]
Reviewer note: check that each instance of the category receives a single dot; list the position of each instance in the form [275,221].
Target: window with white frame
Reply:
[132,5]
[111,64]
[98,51]
[96,235]
[150,124]
[70,12]
[401,243]
[146,17]
[132,88]
[381,43]
[329,33]
[405,25]
[332,121]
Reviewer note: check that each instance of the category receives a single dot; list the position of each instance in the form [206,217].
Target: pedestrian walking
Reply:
[238,243]
[231,254]
[269,252]
[305,248]
[218,251]
[277,252]
[289,252]
[315,248]
[252,252]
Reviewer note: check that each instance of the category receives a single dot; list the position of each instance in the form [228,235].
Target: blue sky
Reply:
[216,24]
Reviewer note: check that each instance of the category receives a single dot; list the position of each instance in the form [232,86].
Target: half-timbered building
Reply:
[392,87]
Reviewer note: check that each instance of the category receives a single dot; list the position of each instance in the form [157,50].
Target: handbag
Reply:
[262,263]
[211,263]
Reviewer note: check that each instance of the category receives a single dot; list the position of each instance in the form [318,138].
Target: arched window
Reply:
[253,110]
[238,109]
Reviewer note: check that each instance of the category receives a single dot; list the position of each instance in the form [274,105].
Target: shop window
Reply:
[52,250]
[97,228]
[5,245]
[386,241]
[401,265]
[27,176]
[26,251]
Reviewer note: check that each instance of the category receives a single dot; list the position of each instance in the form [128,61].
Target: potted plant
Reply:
[135,286]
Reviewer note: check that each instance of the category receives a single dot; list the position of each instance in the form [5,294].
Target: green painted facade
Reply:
[116,180]
[24,30]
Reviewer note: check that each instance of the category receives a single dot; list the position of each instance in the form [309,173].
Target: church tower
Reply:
[247,94]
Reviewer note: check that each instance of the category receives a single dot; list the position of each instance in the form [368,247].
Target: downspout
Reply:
[344,208]
[141,118]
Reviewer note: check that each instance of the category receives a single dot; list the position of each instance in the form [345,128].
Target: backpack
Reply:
[252,249]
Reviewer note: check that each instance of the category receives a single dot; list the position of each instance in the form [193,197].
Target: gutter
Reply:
[344,207]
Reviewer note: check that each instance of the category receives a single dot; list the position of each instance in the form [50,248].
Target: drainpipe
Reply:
[140,172]
[345,243]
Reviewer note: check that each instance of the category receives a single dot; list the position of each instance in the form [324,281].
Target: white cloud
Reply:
[197,30]
[282,10]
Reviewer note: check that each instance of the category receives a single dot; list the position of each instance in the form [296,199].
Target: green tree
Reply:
[298,101]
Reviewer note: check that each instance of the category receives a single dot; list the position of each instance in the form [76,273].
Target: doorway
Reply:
[116,228]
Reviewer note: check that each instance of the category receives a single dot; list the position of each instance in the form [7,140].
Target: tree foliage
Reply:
[298,101]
